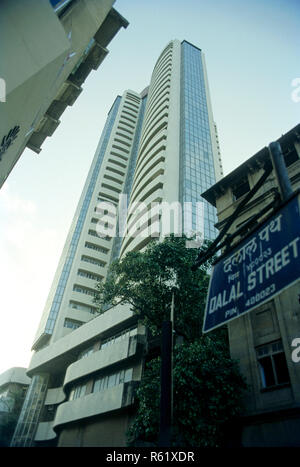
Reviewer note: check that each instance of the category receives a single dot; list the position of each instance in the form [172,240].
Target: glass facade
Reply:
[29,416]
[80,221]
[196,154]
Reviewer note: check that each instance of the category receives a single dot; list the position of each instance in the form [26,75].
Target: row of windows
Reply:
[84,290]
[118,337]
[197,180]
[98,262]
[196,142]
[199,183]
[86,353]
[122,122]
[124,136]
[89,275]
[94,234]
[125,129]
[194,184]
[115,171]
[99,248]
[104,198]
[194,168]
[115,379]
[134,108]
[131,171]
[158,85]
[112,188]
[102,383]
[132,331]
[132,97]
[83,307]
[157,146]
[72,323]
[77,392]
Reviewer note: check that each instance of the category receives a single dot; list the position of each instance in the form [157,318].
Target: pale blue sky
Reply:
[252,54]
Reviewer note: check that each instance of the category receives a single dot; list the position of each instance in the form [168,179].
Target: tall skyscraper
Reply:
[158,147]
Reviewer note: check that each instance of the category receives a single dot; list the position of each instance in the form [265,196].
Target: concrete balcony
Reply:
[93,404]
[147,177]
[78,315]
[108,194]
[82,298]
[86,281]
[114,187]
[99,254]
[45,432]
[67,95]
[114,353]
[61,351]
[55,396]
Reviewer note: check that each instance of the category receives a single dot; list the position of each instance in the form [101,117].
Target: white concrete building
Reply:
[48,48]
[159,145]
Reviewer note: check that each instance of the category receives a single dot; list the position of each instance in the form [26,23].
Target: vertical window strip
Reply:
[196,147]
[82,215]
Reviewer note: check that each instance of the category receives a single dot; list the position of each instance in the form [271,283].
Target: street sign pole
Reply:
[280,170]
[166,392]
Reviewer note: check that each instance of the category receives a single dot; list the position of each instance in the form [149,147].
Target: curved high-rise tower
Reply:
[178,155]
[158,152]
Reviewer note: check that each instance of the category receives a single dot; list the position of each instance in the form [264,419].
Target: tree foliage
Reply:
[207,396]
[207,385]
[10,407]
[143,280]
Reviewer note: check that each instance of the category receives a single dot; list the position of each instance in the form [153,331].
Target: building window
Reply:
[89,275]
[72,323]
[240,188]
[83,307]
[92,246]
[86,353]
[272,365]
[114,379]
[91,260]
[84,290]
[77,392]
[118,337]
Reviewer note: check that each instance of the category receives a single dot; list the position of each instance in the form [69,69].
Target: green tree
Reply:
[207,384]
[142,279]
[10,407]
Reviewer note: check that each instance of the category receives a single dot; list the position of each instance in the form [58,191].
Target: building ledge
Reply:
[101,359]
[71,88]
[93,404]
[64,350]
[55,396]
[45,432]
[269,415]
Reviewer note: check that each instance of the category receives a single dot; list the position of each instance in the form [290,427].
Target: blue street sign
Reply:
[258,268]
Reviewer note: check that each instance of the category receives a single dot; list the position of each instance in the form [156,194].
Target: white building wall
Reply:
[41,50]
[78,296]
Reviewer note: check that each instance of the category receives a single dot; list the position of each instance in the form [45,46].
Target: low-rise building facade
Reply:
[263,340]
